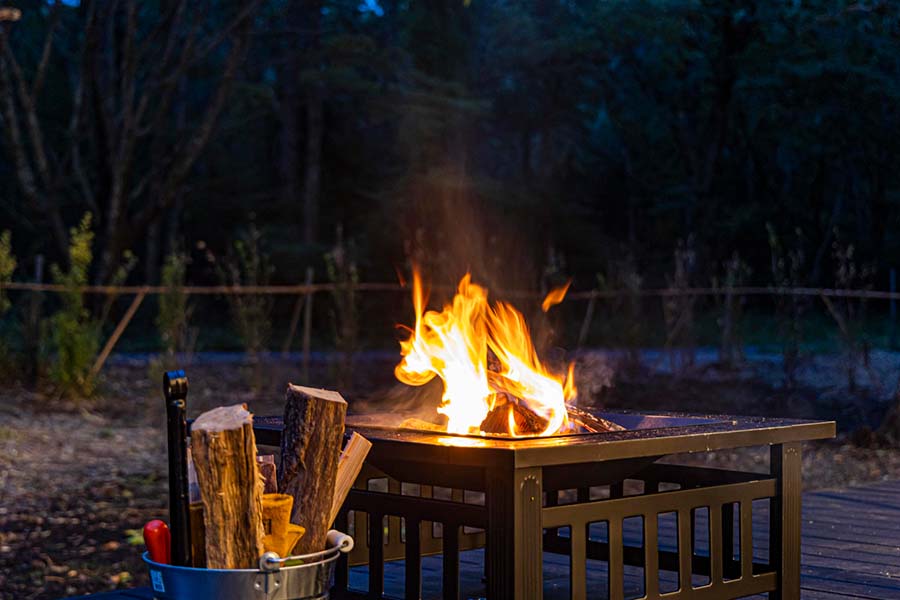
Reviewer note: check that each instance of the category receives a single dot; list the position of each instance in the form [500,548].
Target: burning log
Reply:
[530,423]
[310,451]
[591,422]
[526,422]
[224,452]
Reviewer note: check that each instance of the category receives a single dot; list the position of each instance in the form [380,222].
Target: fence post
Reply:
[117,333]
[33,324]
[307,324]
[295,320]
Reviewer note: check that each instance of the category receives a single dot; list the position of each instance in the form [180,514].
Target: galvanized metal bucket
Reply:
[302,577]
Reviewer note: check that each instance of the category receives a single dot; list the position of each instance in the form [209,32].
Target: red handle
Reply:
[156,536]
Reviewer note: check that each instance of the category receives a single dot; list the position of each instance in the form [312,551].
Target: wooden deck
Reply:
[851,549]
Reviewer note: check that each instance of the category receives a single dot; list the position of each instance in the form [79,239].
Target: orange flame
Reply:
[555,296]
[453,344]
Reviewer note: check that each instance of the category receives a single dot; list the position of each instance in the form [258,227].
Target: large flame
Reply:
[455,344]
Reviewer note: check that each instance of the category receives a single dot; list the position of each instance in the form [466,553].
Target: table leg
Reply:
[499,555]
[514,558]
[528,534]
[785,519]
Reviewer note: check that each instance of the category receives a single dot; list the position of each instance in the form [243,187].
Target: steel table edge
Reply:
[541,456]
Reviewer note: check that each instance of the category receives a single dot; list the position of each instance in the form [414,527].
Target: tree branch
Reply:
[45,54]
[188,153]
[75,118]
[35,134]
[24,172]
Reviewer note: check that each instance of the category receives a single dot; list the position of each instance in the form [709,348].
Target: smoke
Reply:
[398,402]
[454,225]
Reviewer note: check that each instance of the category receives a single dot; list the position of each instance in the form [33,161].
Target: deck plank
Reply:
[851,549]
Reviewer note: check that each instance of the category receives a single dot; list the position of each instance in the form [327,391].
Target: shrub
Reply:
[343,273]
[731,347]
[173,319]
[624,308]
[678,307]
[849,314]
[787,267]
[75,336]
[628,279]
[248,265]
[7,267]
[120,275]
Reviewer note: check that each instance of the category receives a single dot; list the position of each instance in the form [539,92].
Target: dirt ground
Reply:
[79,480]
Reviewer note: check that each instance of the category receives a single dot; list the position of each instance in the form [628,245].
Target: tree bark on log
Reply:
[310,451]
[224,450]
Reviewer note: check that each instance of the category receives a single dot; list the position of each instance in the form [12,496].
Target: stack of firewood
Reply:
[240,521]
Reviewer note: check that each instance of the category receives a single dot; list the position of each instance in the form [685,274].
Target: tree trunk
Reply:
[312,171]
[290,103]
[152,250]
[289,159]
[313,168]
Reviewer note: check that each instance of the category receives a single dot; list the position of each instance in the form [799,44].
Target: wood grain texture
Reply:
[351,462]
[310,451]
[224,452]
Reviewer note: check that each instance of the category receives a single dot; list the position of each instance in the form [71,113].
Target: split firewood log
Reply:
[224,452]
[310,451]
[351,463]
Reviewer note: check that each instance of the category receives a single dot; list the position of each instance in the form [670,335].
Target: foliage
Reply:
[75,336]
[340,266]
[622,274]
[7,268]
[119,275]
[787,264]
[678,307]
[590,126]
[124,158]
[849,313]
[173,318]
[731,347]
[248,265]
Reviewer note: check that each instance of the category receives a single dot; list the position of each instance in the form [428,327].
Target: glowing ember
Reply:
[456,343]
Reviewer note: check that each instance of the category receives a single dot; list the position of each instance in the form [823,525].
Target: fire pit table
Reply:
[519,498]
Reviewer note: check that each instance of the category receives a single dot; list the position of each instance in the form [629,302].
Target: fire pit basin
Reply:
[519,498]
[631,421]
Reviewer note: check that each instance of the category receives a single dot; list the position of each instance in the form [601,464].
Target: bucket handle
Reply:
[337,542]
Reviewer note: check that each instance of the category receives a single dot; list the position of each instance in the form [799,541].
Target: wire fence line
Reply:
[305,292]
[192,290]
[303,289]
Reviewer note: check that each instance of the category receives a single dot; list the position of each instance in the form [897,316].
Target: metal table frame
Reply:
[522,479]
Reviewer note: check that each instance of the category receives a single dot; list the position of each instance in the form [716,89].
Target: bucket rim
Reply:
[318,558]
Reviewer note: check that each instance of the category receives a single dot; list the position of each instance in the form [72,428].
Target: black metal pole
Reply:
[175,388]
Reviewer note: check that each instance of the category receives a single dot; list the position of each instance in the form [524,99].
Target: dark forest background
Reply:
[529,141]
